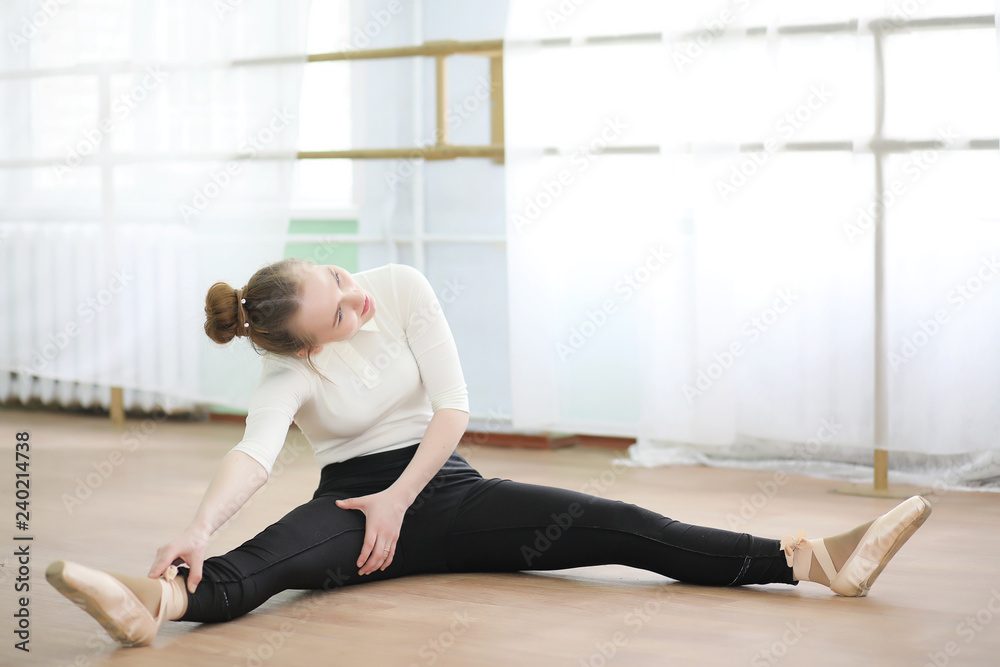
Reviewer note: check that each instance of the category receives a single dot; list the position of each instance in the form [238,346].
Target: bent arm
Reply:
[440,440]
[433,345]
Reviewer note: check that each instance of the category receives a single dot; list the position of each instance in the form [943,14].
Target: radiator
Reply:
[85,311]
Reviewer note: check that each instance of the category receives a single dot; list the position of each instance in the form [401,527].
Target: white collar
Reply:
[351,357]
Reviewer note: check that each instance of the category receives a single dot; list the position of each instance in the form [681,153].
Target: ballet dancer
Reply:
[366,366]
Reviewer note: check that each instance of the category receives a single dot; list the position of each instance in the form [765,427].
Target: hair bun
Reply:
[224,314]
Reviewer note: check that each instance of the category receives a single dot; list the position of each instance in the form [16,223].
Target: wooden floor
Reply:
[937,603]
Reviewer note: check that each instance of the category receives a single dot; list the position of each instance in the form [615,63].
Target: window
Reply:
[325,187]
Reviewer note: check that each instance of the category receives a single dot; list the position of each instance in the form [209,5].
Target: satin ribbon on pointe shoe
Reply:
[799,543]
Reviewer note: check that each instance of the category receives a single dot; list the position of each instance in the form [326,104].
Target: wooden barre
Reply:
[429,152]
[441,149]
[489,48]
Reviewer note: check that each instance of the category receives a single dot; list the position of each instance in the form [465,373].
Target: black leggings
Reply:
[462,522]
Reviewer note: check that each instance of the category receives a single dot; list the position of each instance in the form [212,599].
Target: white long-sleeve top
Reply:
[391,376]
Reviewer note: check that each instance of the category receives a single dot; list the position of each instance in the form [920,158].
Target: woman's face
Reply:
[333,306]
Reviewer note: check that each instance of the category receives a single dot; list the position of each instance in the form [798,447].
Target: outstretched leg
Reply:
[314,546]
[503,525]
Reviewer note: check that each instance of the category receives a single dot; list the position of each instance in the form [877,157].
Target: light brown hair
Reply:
[273,295]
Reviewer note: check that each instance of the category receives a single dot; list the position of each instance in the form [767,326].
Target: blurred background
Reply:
[753,234]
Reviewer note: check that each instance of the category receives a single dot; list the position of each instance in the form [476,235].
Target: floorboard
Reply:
[937,603]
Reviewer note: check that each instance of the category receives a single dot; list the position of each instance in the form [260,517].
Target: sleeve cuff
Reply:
[456,399]
[254,451]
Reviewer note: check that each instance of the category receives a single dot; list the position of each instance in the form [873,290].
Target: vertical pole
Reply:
[417,183]
[117,407]
[881,470]
[881,462]
[442,98]
[496,111]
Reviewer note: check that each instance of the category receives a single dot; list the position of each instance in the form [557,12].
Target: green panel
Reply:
[345,255]
[227,410]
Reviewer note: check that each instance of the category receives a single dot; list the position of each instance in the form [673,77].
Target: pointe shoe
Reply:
[879,544]
[112,603]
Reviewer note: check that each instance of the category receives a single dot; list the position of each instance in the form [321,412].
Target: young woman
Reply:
[366,366]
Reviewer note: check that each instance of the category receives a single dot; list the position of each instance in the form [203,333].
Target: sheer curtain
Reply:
[691,198]
[147,151]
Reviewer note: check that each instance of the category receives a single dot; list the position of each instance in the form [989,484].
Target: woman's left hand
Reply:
[383,519]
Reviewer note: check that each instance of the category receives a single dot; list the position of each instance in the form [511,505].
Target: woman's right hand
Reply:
[237,479]
[188,548]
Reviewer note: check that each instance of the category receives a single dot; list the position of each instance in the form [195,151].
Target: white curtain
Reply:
[691,247]
[147,151]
